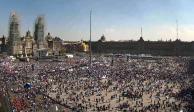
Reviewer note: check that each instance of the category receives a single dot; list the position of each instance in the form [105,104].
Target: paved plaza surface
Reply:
[123,85]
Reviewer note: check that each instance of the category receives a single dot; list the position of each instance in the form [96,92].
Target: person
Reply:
[149,84]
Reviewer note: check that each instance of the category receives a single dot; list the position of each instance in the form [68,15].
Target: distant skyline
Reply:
[116,19]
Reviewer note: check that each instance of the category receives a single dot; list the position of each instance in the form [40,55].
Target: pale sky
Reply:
[116,19]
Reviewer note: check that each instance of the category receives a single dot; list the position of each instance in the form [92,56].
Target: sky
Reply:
[116,19]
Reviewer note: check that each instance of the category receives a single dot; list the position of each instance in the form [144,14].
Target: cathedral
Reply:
[35,44]
[29,45]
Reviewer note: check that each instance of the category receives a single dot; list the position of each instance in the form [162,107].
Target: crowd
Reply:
[110,84]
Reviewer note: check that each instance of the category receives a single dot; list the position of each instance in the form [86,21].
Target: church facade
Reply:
[29,45]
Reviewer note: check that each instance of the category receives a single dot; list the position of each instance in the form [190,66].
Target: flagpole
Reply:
[90,38]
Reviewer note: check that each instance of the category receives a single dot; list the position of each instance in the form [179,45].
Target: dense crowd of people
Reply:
[159,84]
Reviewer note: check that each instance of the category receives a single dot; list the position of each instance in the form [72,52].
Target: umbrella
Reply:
[27,86]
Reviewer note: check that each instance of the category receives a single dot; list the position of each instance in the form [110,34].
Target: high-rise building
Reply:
[39,32]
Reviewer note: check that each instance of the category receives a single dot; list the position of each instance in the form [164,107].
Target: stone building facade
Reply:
[39,33]
[54,45]
[14,39]
[31,45]
[38,44]
[28,45]
[72,47]
[3,44]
